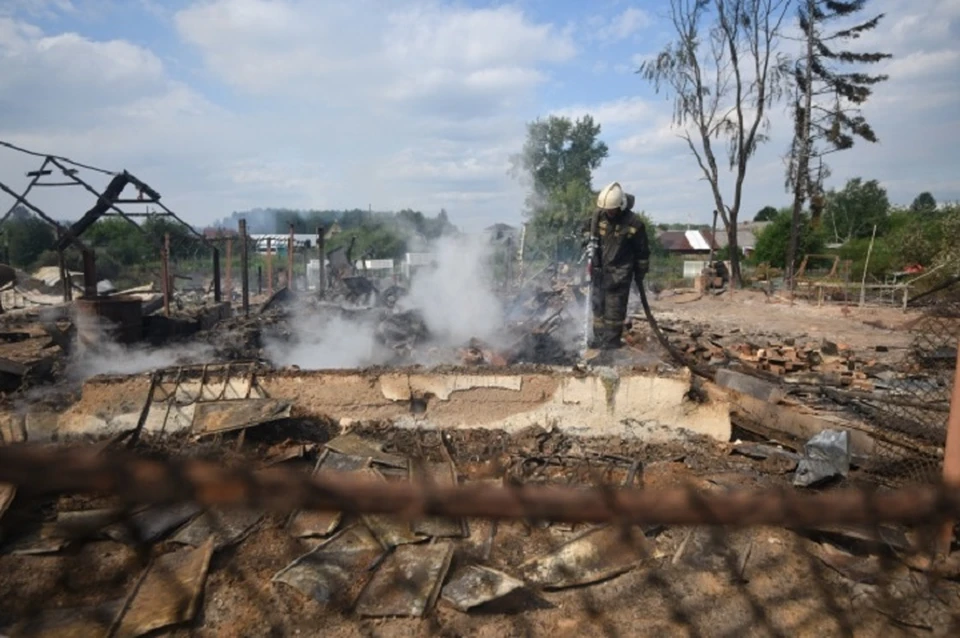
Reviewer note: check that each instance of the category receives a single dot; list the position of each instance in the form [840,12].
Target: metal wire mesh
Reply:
[536,534]
[916,403]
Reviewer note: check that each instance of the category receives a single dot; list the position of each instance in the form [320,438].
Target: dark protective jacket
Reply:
[623,251]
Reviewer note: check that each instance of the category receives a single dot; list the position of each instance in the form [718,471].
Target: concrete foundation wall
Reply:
[639,404]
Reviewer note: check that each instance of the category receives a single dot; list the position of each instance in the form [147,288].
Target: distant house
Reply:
[501,233]
[216,233]
[687,242]
[747,233]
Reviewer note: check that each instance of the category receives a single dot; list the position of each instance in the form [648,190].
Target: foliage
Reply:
[766,214]
[924,203]
[26,238]
[853,211]
[279,220]
[558,157]
[725,73]
[773,240]
[557,227]
[826,112]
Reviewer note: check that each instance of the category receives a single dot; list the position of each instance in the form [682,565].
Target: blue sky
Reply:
[226,105]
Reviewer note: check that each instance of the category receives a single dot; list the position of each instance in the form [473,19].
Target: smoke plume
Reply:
[454,296]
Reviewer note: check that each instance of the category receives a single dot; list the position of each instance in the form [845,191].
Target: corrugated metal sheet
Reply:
[696,240]
[376,264]
[419,259]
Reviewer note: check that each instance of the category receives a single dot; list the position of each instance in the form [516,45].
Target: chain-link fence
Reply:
[914,408]
[386,532]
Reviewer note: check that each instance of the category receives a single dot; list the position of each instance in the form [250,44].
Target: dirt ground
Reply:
[753,312]
[696,582]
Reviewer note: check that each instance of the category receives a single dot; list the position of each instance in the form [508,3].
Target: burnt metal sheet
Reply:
[86,523]
[310,524]
[7,493]
[224,526]
[408,582]
[169,594]
[307,524]
[475,585]
[79,622]
[338,462]
[356,446]
[151,524]
[45,539]
[224,416]
[391,531]
[335,571]
[440,475]
[598,554]
[388,530]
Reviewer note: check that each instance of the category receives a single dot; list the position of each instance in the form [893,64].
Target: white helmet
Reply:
[611,197]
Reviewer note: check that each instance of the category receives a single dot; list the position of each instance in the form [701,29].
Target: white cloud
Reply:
[617,28]
[627,110]
[412,103]
[393,104]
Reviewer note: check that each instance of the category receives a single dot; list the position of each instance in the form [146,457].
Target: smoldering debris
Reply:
[453,314]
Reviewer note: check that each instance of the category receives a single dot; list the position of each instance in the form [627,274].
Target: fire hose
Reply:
[592,251]
[669,347]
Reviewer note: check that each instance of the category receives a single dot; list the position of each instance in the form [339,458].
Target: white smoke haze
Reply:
[454,296]
[101,354]
[318,344]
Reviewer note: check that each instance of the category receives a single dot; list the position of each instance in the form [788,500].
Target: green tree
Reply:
[27,237]
[766,214]
[774,240]
[125,243]
[725,72]
[557,227]
[924,203]
[558,151]
[826,112]
[559,157]
[853,211]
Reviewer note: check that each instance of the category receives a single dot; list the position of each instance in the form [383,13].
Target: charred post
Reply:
[290,284]
[217,295]
[321,254]
[269,267]
[165,274]
[244,267]
[229,278]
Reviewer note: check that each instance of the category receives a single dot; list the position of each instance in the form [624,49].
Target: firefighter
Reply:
[622,257]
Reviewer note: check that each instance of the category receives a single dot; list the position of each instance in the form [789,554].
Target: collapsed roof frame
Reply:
[106,201]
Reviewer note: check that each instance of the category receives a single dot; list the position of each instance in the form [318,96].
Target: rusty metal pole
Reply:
[89,274]
[244,267]
[290,284]
[269,267]
[217,294]
[170,264]
[165,274]
[65,279]
[951,455]
[229,279]
[322,281]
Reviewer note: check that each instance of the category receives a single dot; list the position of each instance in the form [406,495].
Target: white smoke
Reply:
[454,295]
[332,343]
[97,352]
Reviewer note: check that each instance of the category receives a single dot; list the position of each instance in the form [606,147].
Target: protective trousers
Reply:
[609,313]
